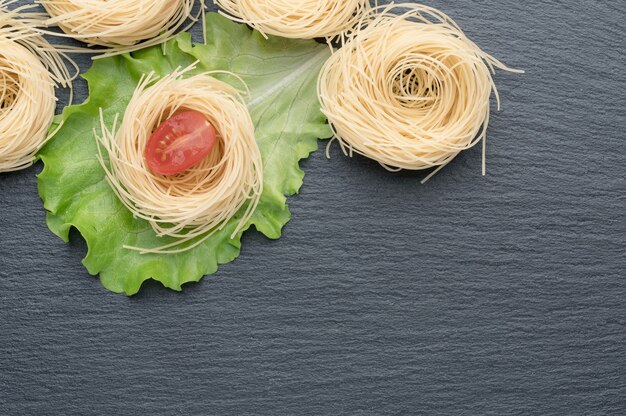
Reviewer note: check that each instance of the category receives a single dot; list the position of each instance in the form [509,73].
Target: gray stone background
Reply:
[468,295]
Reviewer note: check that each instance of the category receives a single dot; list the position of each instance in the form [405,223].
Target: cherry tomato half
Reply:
[179,143]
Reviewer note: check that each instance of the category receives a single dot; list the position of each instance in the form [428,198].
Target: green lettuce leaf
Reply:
[281,76]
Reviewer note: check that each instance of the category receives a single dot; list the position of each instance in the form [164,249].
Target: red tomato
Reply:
[179,143]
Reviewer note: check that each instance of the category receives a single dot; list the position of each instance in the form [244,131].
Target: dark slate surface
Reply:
[469,295]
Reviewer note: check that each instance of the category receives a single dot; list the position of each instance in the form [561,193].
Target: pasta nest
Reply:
[408,89]
[187,208]
[304,19]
